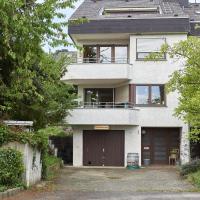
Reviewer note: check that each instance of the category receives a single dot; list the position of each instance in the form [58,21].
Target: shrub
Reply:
[190,167]
[11,167]
[195,178]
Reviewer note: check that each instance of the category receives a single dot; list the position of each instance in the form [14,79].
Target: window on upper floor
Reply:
[146,46]
[105,54]
[153,95]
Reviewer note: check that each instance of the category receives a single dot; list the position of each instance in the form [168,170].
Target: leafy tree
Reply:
[186,81]
[30,86]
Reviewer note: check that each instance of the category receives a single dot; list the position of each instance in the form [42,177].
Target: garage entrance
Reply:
[103,148]
[157,143]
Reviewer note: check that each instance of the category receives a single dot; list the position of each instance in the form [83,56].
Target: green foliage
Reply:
[53,165]
[37,139]
[186,81]
[11,167]
[190,167]
[195,178]
[30,85]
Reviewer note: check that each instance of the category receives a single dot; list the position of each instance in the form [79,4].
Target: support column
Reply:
[185,145]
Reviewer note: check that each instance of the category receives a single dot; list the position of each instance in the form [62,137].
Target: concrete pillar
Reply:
[185,145]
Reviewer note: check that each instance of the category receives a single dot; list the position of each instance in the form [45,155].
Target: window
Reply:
[90,54]
[131,10]
[98,96]
[121,54]
[142,94]
[145,46]
[105,54]
[149,95]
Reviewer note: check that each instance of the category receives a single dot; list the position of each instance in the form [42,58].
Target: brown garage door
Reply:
[157,143]
[103,148]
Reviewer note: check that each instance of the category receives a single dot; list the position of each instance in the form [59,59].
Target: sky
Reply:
[68,12]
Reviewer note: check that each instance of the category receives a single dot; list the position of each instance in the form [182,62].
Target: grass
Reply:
[194,178]
[53,166]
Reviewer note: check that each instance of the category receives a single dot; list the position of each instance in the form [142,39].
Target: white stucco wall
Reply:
[122,94]
[140,72]
[132,142]
[33,173]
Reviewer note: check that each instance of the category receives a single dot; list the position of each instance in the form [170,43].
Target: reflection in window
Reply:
[121,54]
[150,95]
[145,46]
[142,94]
[90,54]
[105,55]
[157,94]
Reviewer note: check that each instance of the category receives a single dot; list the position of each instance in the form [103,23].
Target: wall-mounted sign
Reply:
[146,148]
[101,127]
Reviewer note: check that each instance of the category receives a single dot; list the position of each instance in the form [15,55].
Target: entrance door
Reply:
[157,143]
[103,148]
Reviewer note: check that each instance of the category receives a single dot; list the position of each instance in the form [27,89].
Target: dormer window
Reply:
[131,10]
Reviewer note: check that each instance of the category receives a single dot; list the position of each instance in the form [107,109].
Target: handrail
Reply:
[125,105]
[103,60]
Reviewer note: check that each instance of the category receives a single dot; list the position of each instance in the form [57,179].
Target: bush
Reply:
[11,167]
[190,167]
[53,165]
[195,178]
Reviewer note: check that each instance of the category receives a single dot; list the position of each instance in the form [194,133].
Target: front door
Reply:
[103,148]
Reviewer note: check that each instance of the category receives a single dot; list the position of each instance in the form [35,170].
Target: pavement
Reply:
[151,183]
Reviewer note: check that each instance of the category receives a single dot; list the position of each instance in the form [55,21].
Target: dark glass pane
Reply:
[121,54]
[90,54]
[105,55]
[99,96]
[157,95]
[142,94]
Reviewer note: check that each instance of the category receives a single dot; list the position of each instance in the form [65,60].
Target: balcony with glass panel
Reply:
[100,65]
[99,107]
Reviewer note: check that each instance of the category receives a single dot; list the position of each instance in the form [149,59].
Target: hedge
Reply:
[11,167]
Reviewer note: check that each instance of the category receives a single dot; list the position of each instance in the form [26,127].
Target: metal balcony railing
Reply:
[103,60]
[101,105]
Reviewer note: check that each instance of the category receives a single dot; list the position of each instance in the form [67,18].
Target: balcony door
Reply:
[99,97]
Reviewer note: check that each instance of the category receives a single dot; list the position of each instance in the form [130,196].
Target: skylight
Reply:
[131,10]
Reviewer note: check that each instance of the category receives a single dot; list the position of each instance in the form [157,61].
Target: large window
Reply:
[145,46]
[149,95]
[99,96]
[105,54]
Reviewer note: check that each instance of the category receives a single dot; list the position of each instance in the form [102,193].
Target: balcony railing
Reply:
[102,60]
[101,105]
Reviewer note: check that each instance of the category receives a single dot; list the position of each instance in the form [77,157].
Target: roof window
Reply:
[131,10]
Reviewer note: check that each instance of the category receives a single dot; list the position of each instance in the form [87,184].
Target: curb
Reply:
[10,192]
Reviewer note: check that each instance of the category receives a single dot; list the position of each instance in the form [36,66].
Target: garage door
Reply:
[103,148]
[157,143]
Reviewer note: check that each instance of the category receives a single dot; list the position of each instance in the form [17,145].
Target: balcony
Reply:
[94,71]
[104,113]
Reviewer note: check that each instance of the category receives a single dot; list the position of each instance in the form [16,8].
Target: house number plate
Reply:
[146,148]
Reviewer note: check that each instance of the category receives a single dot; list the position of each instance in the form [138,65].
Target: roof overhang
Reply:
[132,26]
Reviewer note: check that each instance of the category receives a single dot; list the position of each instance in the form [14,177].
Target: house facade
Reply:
[123,106]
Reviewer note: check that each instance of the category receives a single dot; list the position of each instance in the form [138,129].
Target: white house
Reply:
[123,105]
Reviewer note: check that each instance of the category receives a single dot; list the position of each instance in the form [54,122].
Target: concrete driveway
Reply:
[120,184]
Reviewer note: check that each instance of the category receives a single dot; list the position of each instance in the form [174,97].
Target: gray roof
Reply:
[193,10]
[172,17]
[92,9]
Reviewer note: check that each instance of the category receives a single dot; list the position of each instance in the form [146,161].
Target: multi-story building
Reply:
[123,104]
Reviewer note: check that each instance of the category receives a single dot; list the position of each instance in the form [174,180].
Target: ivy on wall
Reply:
[35,139]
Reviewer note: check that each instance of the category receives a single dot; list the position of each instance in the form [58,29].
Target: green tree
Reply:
[186,81]
[30,86]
